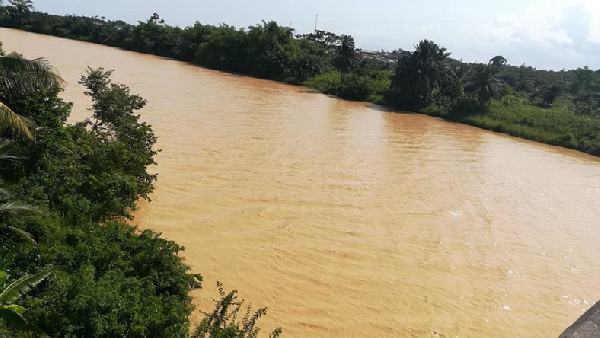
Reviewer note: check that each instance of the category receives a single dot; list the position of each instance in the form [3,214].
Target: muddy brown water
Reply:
[346,220]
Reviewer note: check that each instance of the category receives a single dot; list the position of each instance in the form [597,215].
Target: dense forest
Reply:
[555,107]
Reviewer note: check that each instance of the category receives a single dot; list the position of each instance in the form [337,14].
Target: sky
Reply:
[546,34]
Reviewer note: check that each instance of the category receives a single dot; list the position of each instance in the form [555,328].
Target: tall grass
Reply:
[556,126]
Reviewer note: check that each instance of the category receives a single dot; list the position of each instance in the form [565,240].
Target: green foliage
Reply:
[327,83]
[484,83]
[103,170]
[584,81]
[11,314]
[498,61]
[556,126]
[223,323]
[20,77]
[109,279]
[371,87]
[421,73]
[345,57]
[20,287]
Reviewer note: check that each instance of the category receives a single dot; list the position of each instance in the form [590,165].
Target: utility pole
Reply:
[316,21]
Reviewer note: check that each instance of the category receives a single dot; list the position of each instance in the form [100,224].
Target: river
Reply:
[346,220]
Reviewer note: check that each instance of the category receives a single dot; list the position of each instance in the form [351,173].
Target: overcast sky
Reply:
[547,34]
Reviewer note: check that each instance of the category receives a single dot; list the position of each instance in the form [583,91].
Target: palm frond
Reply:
[4,193]
[9,120]
[9,151]
[26,236]
[20,76]
[15,207]
[21,286]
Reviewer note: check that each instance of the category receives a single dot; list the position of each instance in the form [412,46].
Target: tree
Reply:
[21,9]
[21,5]
[586,92]
[13,122]
[497,61]
[127,141]
[422,72]
[548,94]
[20,77]
[155,19]
[109,280]
[485,84]
[11,313]
[327,40]
[271,32]
[345,59]
[525,78]
[10,207]
[583,82]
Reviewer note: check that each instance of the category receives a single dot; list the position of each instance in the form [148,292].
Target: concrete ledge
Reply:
[587,326]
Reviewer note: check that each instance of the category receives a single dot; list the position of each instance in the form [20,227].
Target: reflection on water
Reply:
[349,221]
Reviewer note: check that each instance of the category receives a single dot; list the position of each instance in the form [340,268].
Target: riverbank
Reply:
[510,115]
[554,126]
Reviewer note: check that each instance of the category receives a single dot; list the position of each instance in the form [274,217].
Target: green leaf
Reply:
[14,122]
[16,308]
[26,236]
[2,277]
[12,315]
[8,152]
[13,318]
[21,77]
[14,207]
[21,286]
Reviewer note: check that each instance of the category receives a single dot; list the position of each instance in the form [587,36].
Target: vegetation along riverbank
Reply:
[555,107]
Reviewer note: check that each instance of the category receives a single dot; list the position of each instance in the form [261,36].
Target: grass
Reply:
[556,126]
[357,87]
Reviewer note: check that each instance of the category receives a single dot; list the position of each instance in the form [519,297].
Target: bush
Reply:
[357,87]
[223,321]
[109,279]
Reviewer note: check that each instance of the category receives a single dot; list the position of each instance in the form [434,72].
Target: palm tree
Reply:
[7,206]
[271,30]
[485,84]
[11,313]
[346,56]
[17,124]
[20,77]
[19,9]
[422,72]
[13,208]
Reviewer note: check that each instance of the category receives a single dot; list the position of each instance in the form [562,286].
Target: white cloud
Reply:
[555,36]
